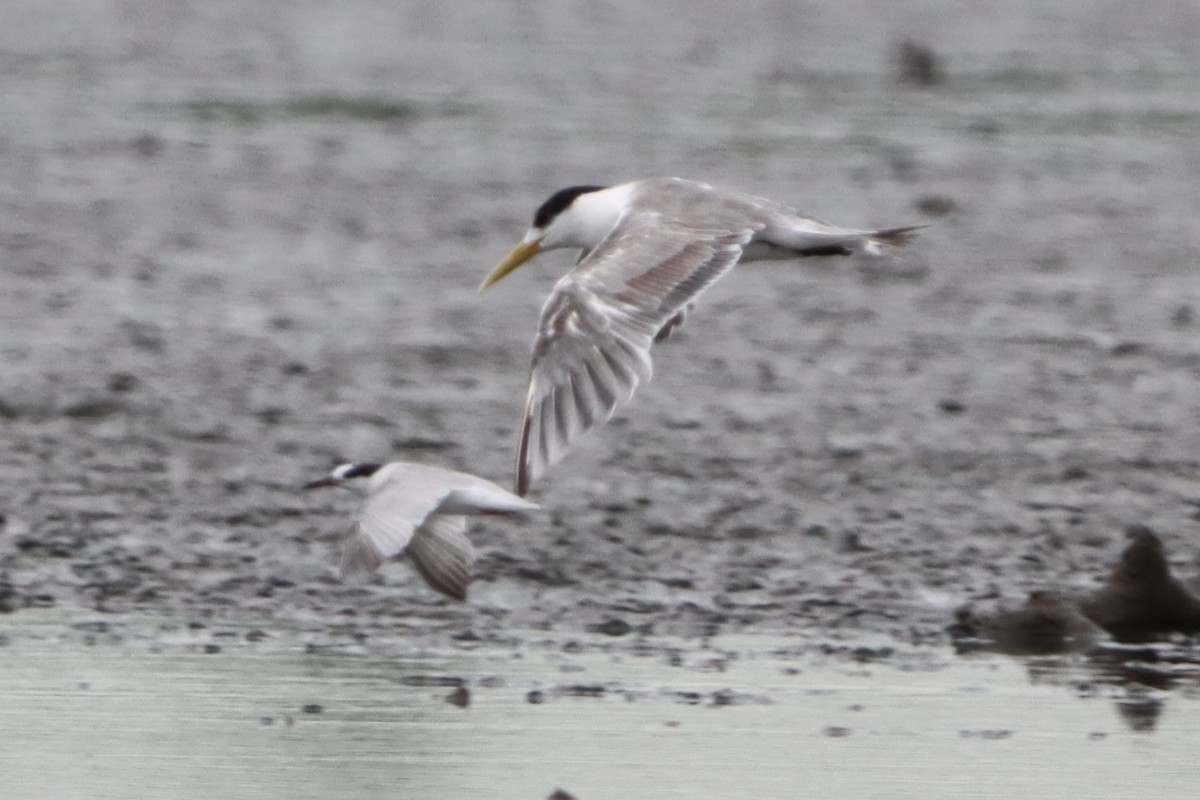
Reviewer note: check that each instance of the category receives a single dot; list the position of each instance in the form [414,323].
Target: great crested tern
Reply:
[422,510]
[649,249]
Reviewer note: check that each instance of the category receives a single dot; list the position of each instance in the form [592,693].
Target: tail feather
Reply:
[896,237]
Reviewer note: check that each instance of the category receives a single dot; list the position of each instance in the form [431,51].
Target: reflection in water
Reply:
[1139,680]
[614,719]
[1140,602]
[1140,711]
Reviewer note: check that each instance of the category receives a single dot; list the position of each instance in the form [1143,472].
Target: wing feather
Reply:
[412,501]
[441,552]
[592,349]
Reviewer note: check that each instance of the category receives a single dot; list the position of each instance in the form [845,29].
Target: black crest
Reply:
[362,470]
[559,202]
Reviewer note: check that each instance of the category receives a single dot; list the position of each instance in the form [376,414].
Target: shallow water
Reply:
[726,717]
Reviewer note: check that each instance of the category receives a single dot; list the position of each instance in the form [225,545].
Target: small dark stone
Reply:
[559,794]
[312,708]
[122,382]
[460,697]
[868,654]
[935,205]
[431,680]
[272,415]
[1126,349]
[612,627]
[535,697]
[147,145]
[1075,473]
[682,583]
[917,65]
[212,648]
[988,735]
[851,542]
[92,408]
[951,406]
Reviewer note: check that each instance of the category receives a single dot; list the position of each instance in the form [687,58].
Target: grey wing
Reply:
[443,555]
[390,518]
[592,349]
[419,510]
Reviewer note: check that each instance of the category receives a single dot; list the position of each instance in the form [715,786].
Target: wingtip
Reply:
[521,482]
[359,555]
[443,555]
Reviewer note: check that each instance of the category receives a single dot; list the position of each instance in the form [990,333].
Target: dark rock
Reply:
[460,697]
[431,680]
[92,408]
[1048,623]
[121,382]
[951,406]
[916,64]
[1141,599]
[611,627]
[147,145]
[935,205]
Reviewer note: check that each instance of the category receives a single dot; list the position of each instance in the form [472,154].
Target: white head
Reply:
[345,472]
[554,227]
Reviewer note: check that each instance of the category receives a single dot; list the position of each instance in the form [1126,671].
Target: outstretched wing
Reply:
[421,509]
[592,348]
[443,555]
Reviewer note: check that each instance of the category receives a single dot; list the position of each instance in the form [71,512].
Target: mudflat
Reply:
[239,243]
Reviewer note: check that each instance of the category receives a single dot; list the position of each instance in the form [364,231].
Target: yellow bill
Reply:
[515,258]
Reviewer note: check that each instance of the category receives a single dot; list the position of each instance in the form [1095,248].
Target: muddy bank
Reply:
[215,288]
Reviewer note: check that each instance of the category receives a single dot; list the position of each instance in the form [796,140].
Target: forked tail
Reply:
[895,237]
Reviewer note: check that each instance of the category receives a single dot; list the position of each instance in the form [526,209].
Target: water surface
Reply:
[601,718]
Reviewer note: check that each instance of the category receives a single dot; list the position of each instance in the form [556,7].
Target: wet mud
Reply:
[215,288]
